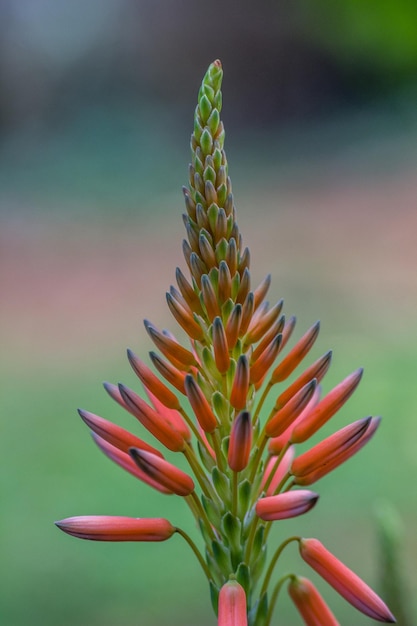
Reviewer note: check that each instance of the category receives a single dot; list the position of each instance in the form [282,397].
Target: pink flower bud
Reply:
[310,604]
[346,582]
[285,505]
[232,605]
[116,528]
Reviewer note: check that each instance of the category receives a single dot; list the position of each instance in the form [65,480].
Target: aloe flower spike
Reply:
[207,398]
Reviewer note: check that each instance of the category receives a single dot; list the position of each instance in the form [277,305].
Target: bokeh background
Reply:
[96,105]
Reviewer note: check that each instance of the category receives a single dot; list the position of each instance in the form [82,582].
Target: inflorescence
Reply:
[207,401]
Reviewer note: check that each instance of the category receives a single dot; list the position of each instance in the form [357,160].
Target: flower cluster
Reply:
[207,401]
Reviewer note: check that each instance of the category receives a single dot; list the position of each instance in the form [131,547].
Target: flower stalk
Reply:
[207,400]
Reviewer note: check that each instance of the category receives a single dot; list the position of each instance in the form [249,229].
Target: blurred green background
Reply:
[96,105]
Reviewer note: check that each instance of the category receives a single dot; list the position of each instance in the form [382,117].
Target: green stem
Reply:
[273,562]
[196,552]
[215,438]
[262,441]
[274,597]
[235,478]
[202,514]
[199,473]
[261,402]
[192,426]
[251,539]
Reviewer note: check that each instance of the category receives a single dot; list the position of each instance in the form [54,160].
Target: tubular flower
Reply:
[346,582]
[309,603]
[232,605]
[205,399]
[240,443]
[109,528]
[285,505]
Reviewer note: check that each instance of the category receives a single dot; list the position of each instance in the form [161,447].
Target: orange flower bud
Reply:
[287,331]
[116,528]
[163,472]
[152,382]
[187,292]
[247,312]
[317,370]
[233,326]
[240,387]
[325,451]
[171,415]
[289,413]
[209,298]
[152,421]
[200,405]
[259,326]
[232,605]
[220,346]
[296,355]
[261,290]
[225,282]
[123,460]
[275,330]
[276,444]
[309,603]
[244,287]
[175,352]
[240,442]
[286,505]
[231,256]
[326,408]
[321,470]
[113,434]
[261,366]
[344,581]
[169,372]
[184,317]
[114,393]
